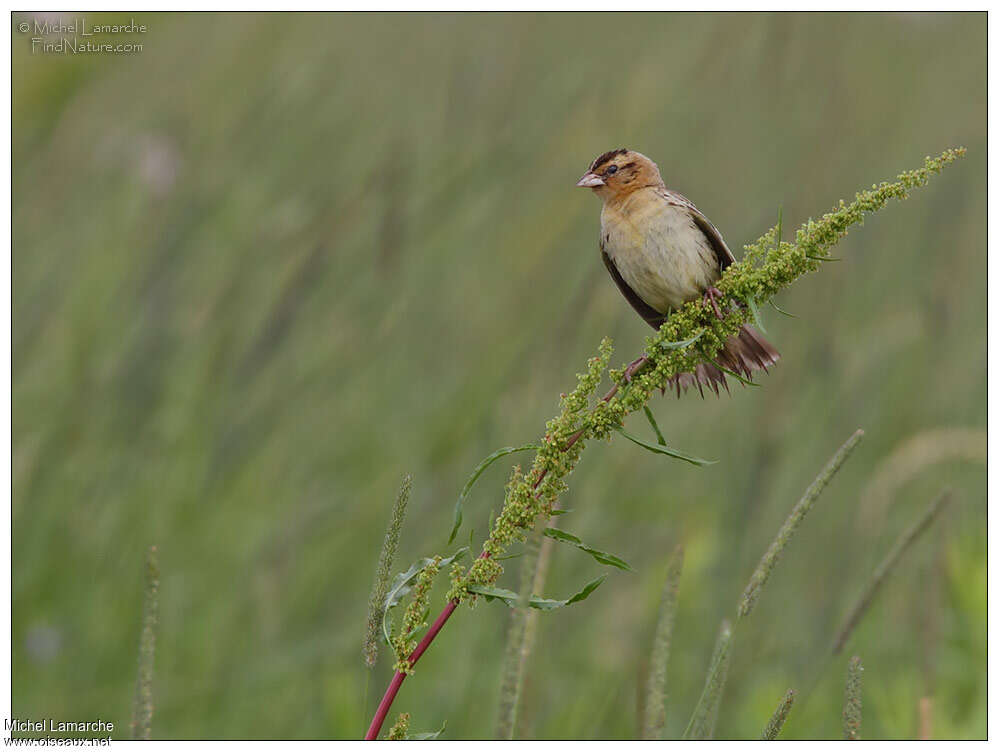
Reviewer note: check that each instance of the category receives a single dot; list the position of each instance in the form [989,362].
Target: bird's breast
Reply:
[662,255]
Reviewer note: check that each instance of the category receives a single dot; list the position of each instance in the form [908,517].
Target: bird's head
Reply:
[615,174]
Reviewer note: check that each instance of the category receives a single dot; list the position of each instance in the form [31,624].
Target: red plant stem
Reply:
[393,688]
[397,680]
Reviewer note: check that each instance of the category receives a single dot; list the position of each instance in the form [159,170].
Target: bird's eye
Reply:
[612,169]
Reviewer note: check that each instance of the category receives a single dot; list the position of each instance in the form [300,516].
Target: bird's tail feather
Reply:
[744,352]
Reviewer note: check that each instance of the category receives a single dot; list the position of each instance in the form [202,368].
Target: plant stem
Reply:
[905,540]
[393,688]
[142,706]
[770,558]
[655,693]
[518,646]
[852,705]
[702,722]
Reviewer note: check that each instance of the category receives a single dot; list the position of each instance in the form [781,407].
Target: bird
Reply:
[662,252]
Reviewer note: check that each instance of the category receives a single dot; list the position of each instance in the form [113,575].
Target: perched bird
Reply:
[662,252]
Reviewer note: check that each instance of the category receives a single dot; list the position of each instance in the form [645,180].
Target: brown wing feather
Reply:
[654,318]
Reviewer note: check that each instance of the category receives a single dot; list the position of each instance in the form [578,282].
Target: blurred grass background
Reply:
[271,263]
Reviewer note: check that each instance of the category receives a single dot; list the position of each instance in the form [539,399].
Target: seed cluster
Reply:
[415,618]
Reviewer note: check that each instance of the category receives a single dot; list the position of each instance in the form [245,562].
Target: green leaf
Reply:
[583,594]
[511,599]
[756,314]
[821,258]
[742,379]
[489,593]
[781,310]
[655,426]
[683,343]
[424,736]
[475,476]
[560,511]
[658,449]
[403,583]
[601,556]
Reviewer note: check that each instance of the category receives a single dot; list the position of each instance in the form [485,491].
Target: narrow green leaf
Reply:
[601,556]
[821,258]
[756,314]
[781,310]
[588,588]
[682,343]
[424,736]
[510,598]
[742,379]
[665,450]
[491,593]
[556,512]
[780,225]
[475,476]
[403,583]
[655,426]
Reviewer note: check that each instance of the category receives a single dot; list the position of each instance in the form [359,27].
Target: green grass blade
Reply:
[906,539]
[655,693]
[770,558]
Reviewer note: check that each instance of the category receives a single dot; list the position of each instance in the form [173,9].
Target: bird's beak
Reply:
[590,180]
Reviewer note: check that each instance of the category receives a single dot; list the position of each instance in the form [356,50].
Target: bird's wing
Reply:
[647,312]
[722,252]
